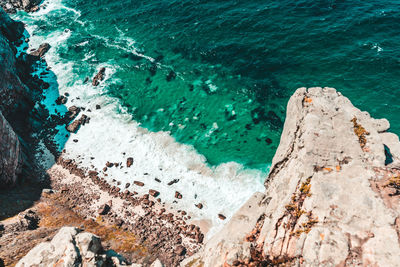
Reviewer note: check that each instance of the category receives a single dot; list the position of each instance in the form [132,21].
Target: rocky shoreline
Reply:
[163,230]
[332,195]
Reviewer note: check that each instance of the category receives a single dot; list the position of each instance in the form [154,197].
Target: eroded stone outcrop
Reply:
[19,91]
[71,247]
[11,6]
[10,154]
[331,196]
[13,99]
[13,92]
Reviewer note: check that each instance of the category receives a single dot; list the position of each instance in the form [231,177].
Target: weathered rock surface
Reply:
[10,154]
[11,29]
[332,195]
[41,51]
[99,77]
[18,93]
[74,126]
[71,247]
[11,6]
[13,92]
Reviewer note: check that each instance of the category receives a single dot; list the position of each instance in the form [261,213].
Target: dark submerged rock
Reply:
[99,77]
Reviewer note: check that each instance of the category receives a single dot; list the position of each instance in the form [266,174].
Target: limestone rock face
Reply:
[70,247]
[332,195]
[10,154]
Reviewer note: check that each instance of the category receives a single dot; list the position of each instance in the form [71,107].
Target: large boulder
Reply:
[10,154]
[38,53]
[11,6]
[71,247]
[332,195]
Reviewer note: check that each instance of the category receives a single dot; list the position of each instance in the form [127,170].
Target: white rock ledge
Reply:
[330,200]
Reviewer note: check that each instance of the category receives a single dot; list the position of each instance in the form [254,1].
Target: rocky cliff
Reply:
[19,91]
[12,94]
[12,91]
[10,154]
[332,195]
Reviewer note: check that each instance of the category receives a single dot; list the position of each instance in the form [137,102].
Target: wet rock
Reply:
[173,182]
[178,195]
[61,100]
[129,162]
[109,164]
[45,86]
[41,51]
[73,111]
[99,77]
[199,205]
[154,193]
[138,183]
[74,126]
[221,216]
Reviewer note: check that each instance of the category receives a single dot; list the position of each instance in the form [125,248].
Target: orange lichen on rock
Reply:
[360,132]
[307,99]
[322,236]
[306,227]
[305,187]
[394,182]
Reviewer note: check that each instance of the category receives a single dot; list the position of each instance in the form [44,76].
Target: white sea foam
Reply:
[113,135]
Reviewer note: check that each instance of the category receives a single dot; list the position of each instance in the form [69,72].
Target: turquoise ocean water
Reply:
[218,74]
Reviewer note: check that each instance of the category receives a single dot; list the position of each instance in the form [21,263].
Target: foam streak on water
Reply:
[112,135]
